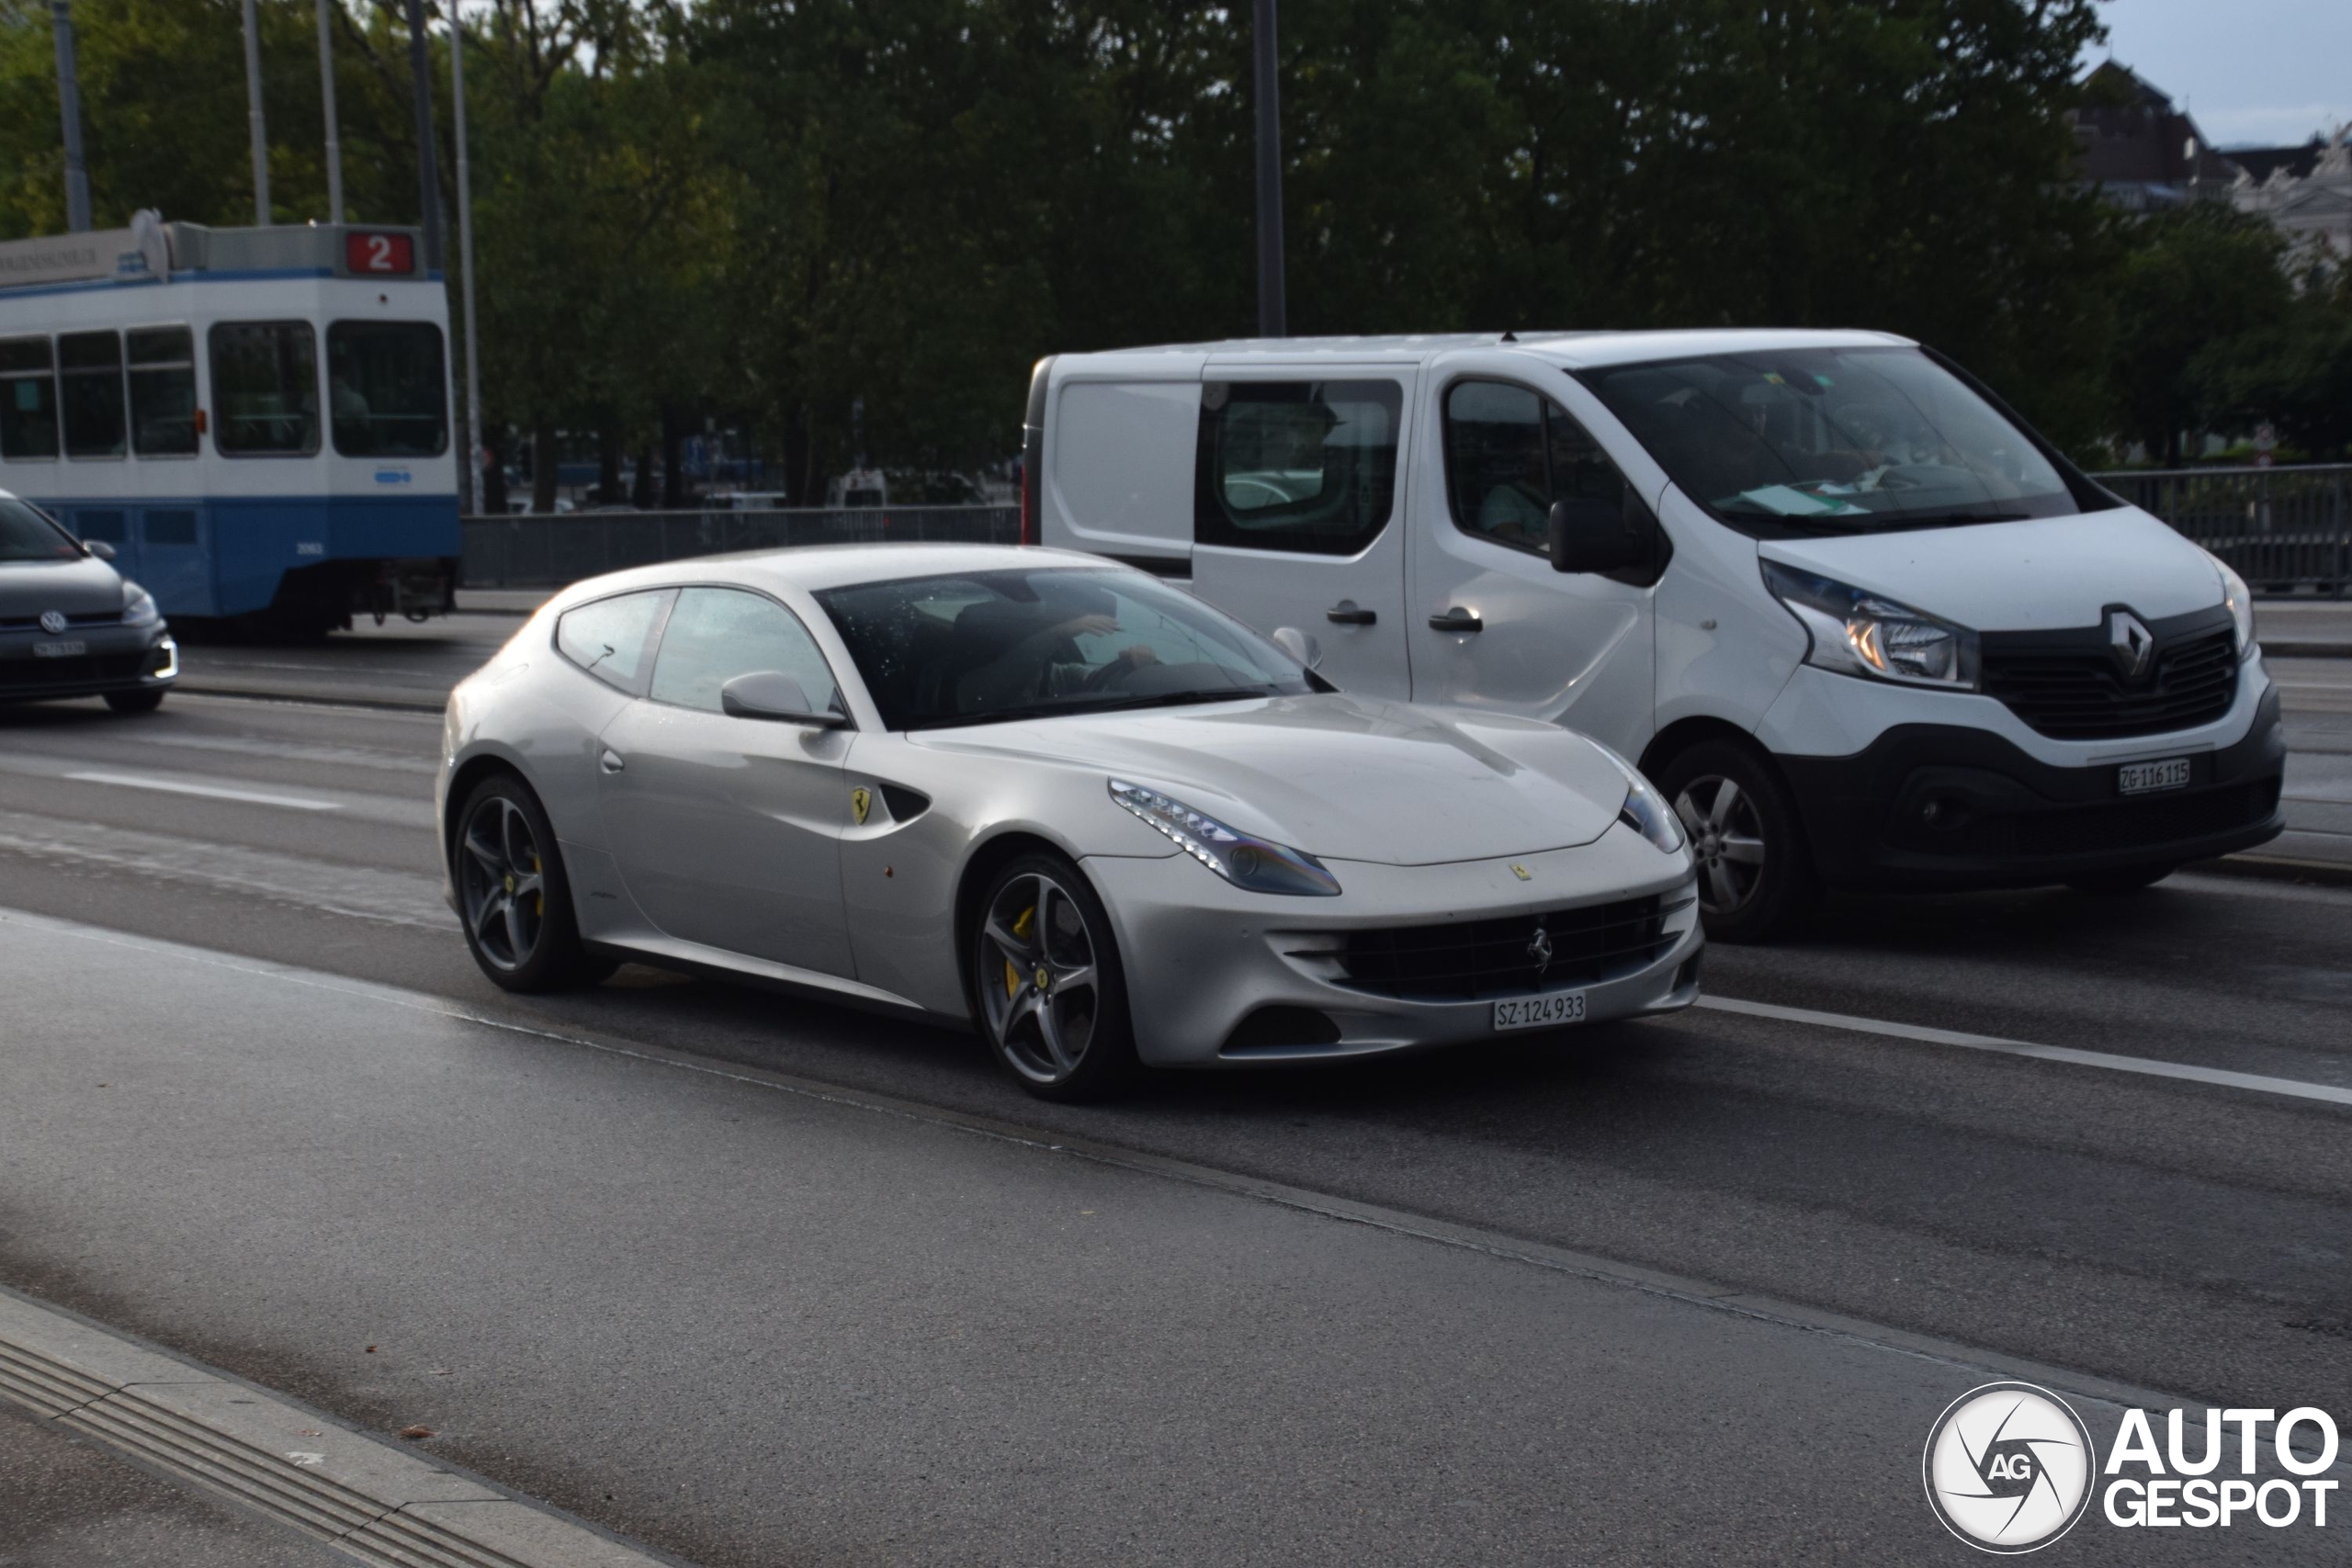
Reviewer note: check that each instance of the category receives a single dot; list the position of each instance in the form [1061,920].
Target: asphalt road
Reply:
[753,1327]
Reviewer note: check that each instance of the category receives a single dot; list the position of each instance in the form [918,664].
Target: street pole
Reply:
[69,109]
[472,487]
[1272,314]
[326,96]
[252,117]
[428,172]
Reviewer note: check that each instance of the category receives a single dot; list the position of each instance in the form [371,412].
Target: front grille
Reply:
[82,670]
[1469,960]
[2081,695]
[80,618]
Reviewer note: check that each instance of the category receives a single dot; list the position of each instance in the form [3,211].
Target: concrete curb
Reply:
[381,1503]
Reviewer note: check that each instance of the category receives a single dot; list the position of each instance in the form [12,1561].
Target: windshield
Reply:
[25,535]
[974,648]
[1832,441]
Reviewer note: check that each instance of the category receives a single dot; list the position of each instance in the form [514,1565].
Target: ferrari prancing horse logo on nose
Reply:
[861,802]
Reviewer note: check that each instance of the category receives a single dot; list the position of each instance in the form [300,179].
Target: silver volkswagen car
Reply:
[1050,796]
[71,626]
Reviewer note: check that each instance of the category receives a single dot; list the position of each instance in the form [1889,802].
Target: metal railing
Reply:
[550,549]
[2281,528]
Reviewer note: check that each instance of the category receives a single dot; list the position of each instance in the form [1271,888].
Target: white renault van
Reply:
[1858,622]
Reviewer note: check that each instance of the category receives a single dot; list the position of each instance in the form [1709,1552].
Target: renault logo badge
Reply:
[861,804]
[52,622]
[2134,644]
[1538,949]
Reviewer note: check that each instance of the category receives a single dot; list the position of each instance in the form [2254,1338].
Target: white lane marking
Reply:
[2146,1066]
[210,792]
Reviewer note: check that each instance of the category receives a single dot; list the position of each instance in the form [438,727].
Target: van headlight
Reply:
[1855,632]
[2240,599]
[1243,859]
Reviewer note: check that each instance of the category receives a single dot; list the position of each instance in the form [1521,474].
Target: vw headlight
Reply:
[138,606]
[1858,632]
[2240,599]
[1243,859]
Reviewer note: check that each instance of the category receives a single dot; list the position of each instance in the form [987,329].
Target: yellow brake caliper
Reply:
[1020,928]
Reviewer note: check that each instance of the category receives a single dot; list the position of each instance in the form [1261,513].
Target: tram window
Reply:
[162,391]
[89,381]
[28,399]
[385,389]
[266,387]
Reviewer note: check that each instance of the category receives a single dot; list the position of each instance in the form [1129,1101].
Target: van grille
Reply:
[2080,694]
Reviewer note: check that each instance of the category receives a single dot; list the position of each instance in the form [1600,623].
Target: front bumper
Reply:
[1201,957]
[112,659]
[1933,806]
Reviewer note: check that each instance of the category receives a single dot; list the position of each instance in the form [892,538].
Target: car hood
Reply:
[1342,777]
[2041,575]
[81,587]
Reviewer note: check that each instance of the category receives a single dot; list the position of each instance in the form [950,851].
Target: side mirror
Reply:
[775,696]
[1594,536]
[1298,645]
[99,548]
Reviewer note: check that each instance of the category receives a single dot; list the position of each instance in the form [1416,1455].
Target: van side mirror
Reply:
[775,696]
[1599,537]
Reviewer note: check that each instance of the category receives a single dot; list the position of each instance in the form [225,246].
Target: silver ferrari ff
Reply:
[1048,795]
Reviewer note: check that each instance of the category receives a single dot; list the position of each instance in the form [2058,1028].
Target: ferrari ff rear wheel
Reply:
[513,893]
[1052,998]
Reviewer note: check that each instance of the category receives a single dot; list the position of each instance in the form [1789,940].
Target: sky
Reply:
[2251,72]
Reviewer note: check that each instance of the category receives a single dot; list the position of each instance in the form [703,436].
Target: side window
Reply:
[28,399]
[717,634]
[1308,467]
[608,638]
[266,387]
[162,391]
[89,375]
[386,390]
[1510,454]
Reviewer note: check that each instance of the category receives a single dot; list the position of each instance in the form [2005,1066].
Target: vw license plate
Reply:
[58,649]
[1540,1013]
[2139,778]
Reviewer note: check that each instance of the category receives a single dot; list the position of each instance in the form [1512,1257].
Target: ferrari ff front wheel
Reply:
[1046,974]
[513,893]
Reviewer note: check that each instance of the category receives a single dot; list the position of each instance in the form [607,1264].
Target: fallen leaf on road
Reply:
[413,1433]
[371,1349]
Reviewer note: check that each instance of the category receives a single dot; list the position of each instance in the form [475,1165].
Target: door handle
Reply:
[611,761]
[1456,619]
[1348,612]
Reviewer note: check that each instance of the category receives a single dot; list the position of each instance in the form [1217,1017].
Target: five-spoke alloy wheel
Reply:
[512,892]
[1046,976]
[1755,872]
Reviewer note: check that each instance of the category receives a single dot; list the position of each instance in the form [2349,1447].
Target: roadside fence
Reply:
[550,549]
[2281,528]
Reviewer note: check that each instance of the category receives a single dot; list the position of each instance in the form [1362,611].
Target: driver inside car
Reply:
[1025,652]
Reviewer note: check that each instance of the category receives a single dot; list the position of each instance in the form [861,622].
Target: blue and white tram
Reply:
[257,420]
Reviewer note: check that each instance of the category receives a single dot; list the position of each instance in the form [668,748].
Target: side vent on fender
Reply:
[905,804]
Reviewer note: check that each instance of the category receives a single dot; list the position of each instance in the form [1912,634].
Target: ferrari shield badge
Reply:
[861,802]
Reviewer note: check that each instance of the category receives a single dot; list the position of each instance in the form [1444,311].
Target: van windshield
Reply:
[1832,441]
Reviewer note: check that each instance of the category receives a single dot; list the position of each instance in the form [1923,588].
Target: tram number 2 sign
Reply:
[371,253]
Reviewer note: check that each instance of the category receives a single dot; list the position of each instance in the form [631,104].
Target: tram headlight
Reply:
[138,606]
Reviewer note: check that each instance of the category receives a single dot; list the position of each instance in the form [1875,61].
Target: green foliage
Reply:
[774,210]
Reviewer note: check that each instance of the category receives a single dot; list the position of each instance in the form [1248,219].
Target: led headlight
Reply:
[1858,632]
[138,606]
[2240,599]
[1646,813]
[1243,859]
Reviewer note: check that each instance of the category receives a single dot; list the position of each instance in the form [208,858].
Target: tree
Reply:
[2196,278]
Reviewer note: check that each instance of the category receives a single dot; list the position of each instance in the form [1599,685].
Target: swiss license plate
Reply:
[1540,1013]
[60,650]
[2139,778]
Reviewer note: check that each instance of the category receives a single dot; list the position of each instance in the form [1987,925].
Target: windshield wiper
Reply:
[1117,705]
[1952,519]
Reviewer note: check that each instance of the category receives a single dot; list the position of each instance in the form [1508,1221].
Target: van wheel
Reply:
[1755,869]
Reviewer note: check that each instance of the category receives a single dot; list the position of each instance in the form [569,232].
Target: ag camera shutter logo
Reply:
[2009,1468]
